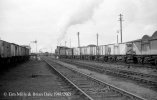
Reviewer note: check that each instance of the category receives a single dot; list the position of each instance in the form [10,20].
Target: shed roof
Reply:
[154,36]
[146,38]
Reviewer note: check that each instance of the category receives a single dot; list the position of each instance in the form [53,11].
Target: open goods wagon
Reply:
[138,51]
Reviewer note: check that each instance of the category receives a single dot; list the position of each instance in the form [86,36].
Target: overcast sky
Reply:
[52,22]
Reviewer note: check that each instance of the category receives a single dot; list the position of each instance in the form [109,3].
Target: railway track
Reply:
[132,64]
[123,70]
[71,91]
[147,79]
[91,88]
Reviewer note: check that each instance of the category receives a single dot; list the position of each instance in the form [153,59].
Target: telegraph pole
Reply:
[78,39]
[121,19]
[97,42]
[79,43]
[36,45]
[117,36]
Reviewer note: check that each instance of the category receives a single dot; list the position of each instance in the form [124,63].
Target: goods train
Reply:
[12,53]
[138,51]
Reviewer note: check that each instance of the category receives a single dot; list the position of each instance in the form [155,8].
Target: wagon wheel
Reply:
[126,60]
[145,60]
[140,61]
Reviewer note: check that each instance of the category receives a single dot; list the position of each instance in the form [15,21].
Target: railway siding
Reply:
[124,67]
[119,82]
[137,76]
[116,93]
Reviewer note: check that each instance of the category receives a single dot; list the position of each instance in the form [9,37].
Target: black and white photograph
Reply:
[78,50]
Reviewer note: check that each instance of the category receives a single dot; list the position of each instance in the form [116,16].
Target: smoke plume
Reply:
[78,15]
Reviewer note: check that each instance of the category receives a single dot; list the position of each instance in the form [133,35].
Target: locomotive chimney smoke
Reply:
[78,15]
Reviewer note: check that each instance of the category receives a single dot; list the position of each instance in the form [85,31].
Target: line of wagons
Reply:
[138,51]
[12,53]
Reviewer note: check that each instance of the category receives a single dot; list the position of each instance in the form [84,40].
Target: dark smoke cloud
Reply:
[82,13]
